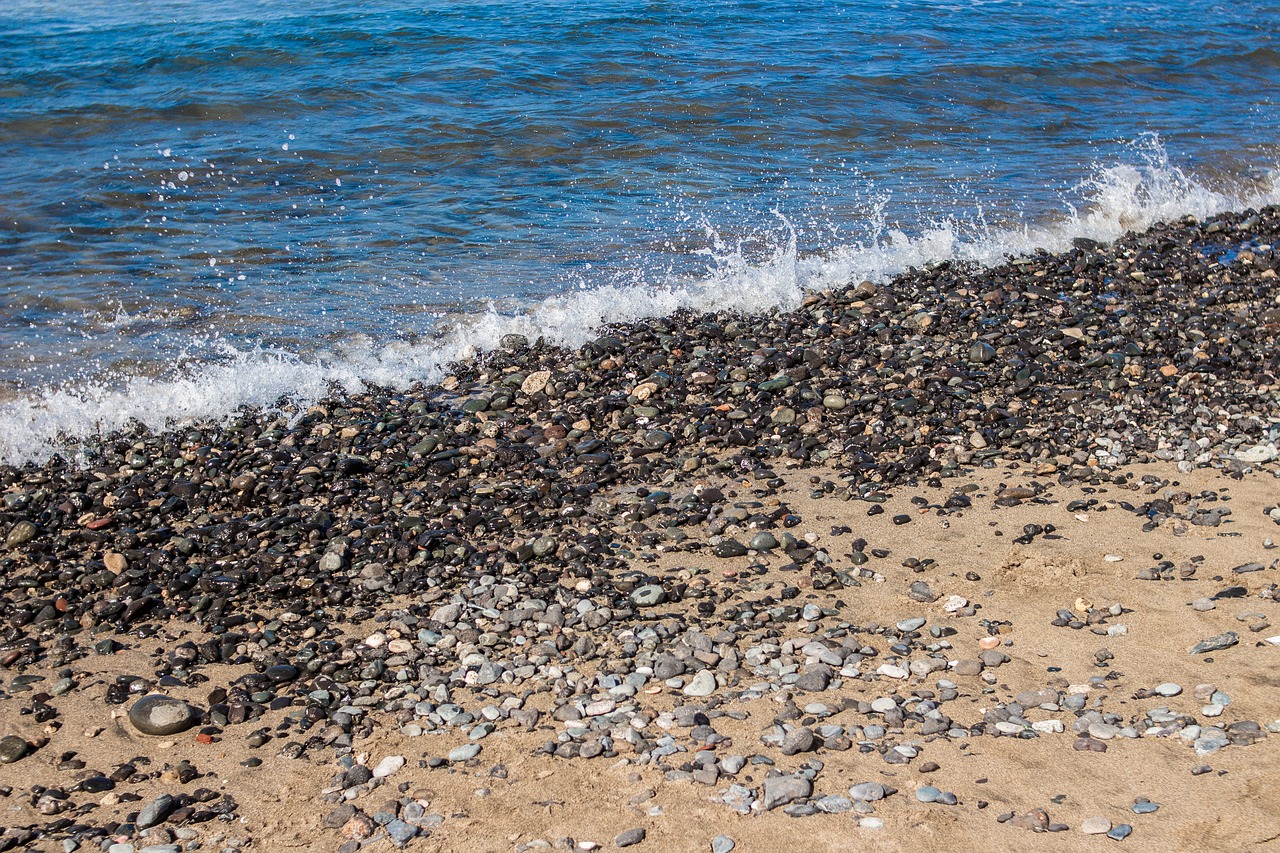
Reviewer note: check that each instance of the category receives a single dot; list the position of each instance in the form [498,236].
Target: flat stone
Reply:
[630,837]
[466,752]
[1168,689]
[160,715]
[1214,644]
[649,595]
[1121,832]
[400,832]
[722,844]
[780,790]
[1095,826]
[867,792]
[156,811]
[387,766]
[928,794]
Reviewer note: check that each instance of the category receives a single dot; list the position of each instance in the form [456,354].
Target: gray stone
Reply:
[156,811]
[630,837]
[780,790]
[387,766]
[466,752]
[868,792]
[722,844]
[799,739]
[649,595]
[763,541]
[815,678]
[1214,644]
[160,715]
[702,684]
[401,832]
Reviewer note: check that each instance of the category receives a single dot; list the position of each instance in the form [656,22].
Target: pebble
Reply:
[722,844]
[702,684]
[13,748]
[160,715]
[388,765]
[629,837]
[868,792]
[1213,644]
[928,793]
[1095,826]
[523,511]
[1120,832]
[781,790]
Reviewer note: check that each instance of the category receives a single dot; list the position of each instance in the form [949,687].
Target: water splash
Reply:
[1117,198]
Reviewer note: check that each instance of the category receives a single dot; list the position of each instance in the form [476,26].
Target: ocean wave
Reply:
[1131,195]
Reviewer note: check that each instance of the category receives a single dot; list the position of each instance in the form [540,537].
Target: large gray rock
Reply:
[157,714]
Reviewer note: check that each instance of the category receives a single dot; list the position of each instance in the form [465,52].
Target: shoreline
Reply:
[690,551]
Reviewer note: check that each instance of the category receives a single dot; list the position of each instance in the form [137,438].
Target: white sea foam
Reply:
[1118,198]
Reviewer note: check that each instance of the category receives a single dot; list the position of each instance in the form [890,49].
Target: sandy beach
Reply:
[980,559]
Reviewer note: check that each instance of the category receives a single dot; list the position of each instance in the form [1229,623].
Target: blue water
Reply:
[208,204]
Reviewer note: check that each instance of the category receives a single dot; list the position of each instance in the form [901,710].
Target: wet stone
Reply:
[12,748]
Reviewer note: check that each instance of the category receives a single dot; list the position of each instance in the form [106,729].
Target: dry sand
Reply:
[541,799]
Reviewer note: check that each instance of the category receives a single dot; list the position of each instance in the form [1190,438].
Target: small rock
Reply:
[780,790]
[160,715]
[1214,644]
[722,844]
[630,837]
[868,792]
[1095,826]
[12,748]
[702,684]
[387,766]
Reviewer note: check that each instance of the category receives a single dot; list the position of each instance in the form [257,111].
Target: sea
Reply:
[212,205]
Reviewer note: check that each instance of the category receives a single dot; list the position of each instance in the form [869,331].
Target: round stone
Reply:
[928,793]
[867,792]
[702,684]
[1168,689]
[763,541]
[649,595]
[157,714]
[12,748]
[281,673]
